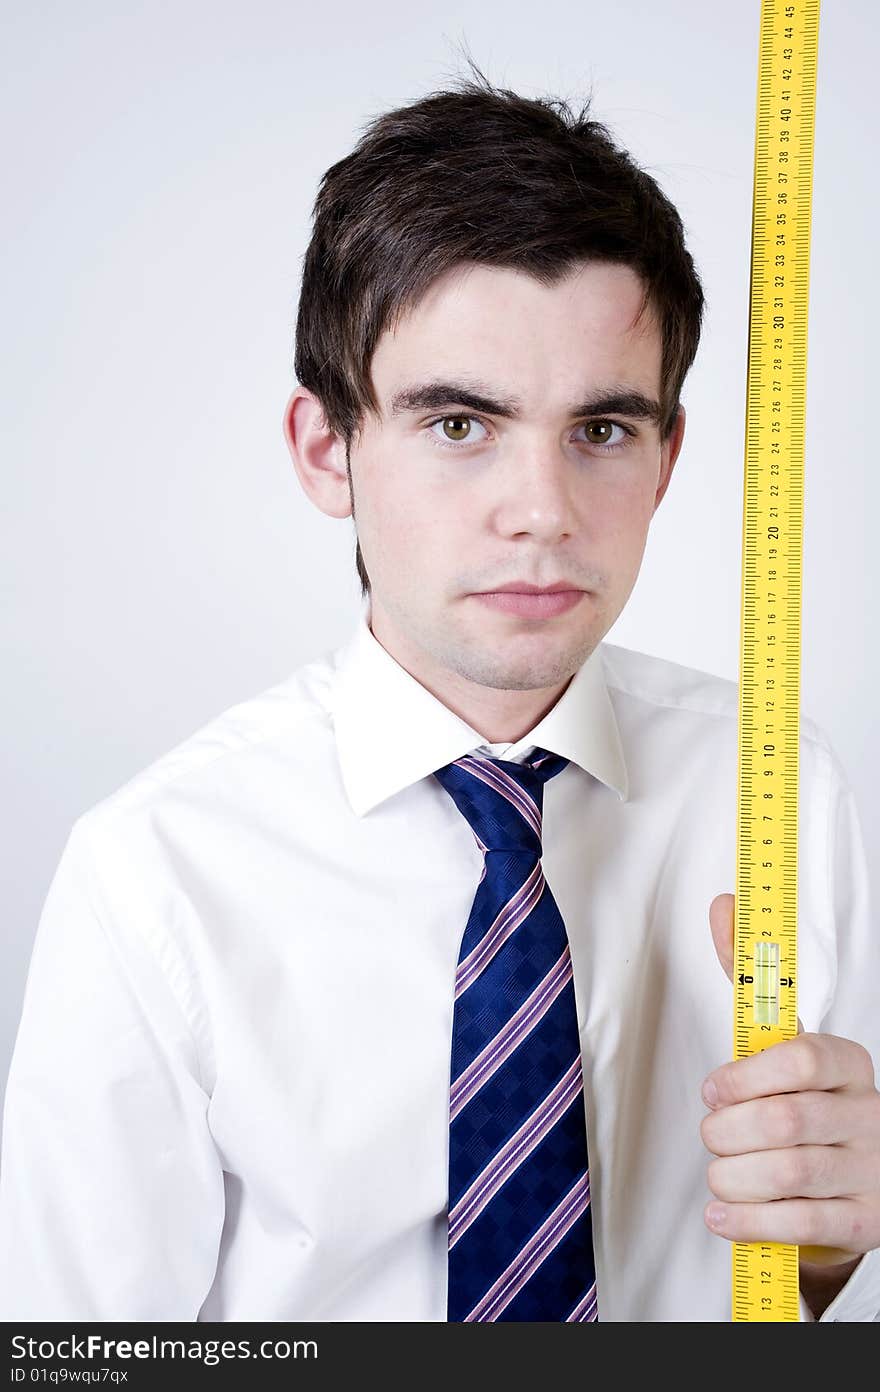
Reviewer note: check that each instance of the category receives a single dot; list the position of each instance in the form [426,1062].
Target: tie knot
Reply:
[502,800]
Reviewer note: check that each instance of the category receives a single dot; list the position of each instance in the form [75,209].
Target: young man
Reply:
[394,992]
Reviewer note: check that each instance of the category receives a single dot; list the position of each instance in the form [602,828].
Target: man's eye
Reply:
[603,429]
[456,430]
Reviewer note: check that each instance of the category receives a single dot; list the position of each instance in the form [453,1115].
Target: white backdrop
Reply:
[159,562]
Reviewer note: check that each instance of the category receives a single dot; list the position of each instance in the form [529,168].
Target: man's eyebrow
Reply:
[431,396]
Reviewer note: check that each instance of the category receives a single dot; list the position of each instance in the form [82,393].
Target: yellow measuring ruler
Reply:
[765,1275]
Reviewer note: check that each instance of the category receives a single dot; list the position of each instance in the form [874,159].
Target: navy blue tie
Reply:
[520,1229]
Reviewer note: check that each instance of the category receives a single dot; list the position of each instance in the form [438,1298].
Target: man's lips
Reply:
[531,604]
[525,587]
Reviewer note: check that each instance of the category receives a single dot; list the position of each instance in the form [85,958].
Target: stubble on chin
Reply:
[516,666]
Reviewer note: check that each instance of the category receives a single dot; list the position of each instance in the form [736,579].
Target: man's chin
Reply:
[509,665]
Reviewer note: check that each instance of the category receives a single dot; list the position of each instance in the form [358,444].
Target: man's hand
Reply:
[796,1129]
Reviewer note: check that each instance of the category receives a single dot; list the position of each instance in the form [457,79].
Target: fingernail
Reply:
[710,1093]
[716,1215]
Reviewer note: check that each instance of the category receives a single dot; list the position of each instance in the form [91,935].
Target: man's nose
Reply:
[534,493]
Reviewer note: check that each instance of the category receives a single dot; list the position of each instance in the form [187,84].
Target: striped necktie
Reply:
[520,1230]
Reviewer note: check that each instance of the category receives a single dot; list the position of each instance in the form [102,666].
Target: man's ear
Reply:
[318,454]
[669,452]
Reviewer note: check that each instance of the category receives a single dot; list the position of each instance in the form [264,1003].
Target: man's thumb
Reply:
[721,920]
[721,923]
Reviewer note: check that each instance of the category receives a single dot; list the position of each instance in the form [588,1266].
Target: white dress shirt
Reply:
[229,1094]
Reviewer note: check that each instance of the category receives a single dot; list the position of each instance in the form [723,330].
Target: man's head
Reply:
[510,251]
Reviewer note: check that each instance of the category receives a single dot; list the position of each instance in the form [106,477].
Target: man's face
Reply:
[452,501]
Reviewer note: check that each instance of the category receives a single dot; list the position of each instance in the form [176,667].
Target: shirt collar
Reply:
[392,731]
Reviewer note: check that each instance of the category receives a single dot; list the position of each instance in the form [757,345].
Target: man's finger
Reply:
[798,1172]
[811,1062]
[843,1223]
[790,1119]
[722,923]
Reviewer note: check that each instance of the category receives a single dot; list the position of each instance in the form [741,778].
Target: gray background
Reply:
[159,162]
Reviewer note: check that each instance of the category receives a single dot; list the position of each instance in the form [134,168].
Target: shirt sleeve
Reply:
[111,1189]
[853,1013]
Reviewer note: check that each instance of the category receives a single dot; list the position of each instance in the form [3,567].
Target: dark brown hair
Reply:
[477,174]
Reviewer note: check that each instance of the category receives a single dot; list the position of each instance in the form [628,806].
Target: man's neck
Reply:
[499,715]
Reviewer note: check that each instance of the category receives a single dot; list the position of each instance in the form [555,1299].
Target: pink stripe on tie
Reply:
[506,786]
[585,1309]
[515,911]
[536,1250]
[520,1024]
[514,1151]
